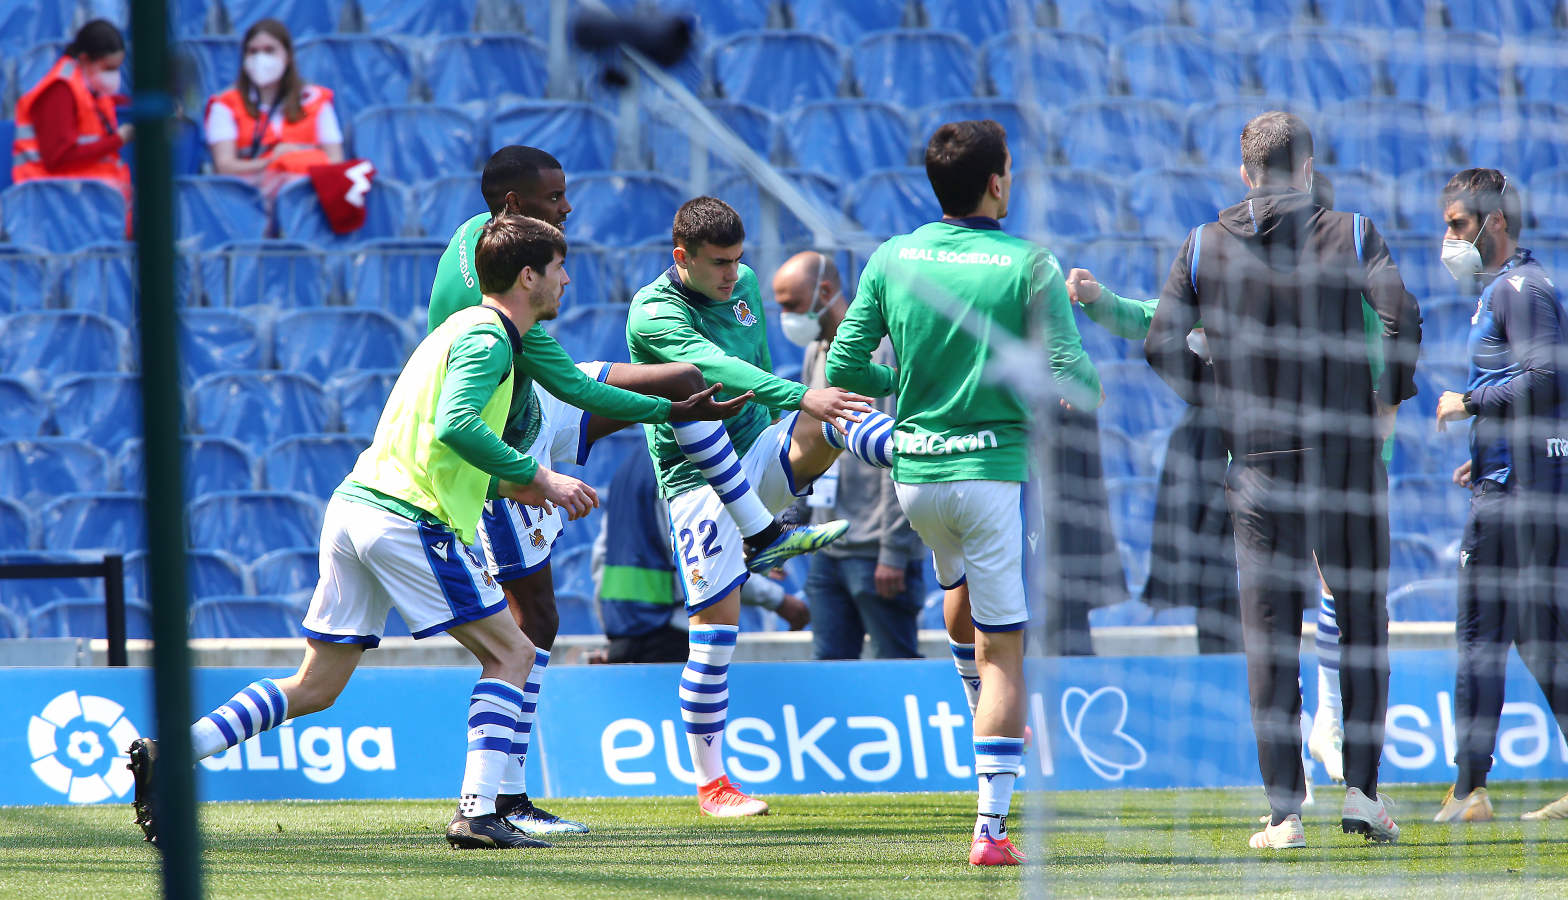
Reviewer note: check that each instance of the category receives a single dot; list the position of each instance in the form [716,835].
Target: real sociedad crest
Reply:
[744,315]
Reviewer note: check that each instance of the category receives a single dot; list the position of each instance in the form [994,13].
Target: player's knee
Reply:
[543,627]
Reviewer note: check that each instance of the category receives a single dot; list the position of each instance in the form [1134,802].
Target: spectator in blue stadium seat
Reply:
[271,126]
[66,125]
[869,583]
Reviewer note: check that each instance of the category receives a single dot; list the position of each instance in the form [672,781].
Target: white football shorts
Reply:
[975,530]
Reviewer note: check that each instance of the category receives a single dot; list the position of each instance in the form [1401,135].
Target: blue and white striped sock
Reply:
[705,696]
[707,445]
[997,761]
[493,711]
[1328,657]
[968,672]
[870,439]
[513,780]
[260,706]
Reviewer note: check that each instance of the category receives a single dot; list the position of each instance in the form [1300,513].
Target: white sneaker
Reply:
[1287,835]
[1557,809]
[1326,743]
[1368,818]
[1472,807]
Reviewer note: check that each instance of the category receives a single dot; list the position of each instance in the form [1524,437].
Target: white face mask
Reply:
[264,69]
[801,329]
[1463,258]
[107,81]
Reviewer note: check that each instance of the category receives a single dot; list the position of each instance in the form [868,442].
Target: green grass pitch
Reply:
[1103,843]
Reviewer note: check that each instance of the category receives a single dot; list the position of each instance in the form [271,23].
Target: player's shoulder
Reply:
[1526,279]
[656,299]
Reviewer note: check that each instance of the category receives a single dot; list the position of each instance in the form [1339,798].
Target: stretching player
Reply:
[962,438]
[706,310]
[396,530]
[558,419]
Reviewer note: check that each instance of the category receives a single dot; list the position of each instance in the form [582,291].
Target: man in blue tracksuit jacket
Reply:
[1513,560]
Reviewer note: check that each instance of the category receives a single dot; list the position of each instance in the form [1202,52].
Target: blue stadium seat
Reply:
[207,463]
[1427,505]
[217,209]
[776,70]
[23,25]
[300,218]
[83,617]
[577,615]
[1214,129]
[322,342]
[721,18]
[1433,600]
[1522,140]
[63,214]
[593,332]
[845,23]
[104,410]
[1040,66]
[1538,71]
[208,573]
[892,201]
[1028,135]
[669,143]
[414,142]
[101,278]
[1418,198]
[1419,257]
[249,524]
[303,18]
[1369,193]
[219,340]
[1112,18]
[414,17]
[288,571]
[572,565]
[1132,510]
[246,617]
[282,274]
[981,20]
[1063,203]
[210,64]
[1180,64]
[847,138]
[642,264]
[742,193]
[1317,68]
[311,464]
[1249,15]
[1446,71]
[1122,134]
[12,625]
[510,66]
[580,136]
[909,66]
[1509,20]
[1383,15]
[360,397]
[258,408]
[94,521]
[395,275]
[1174,201]
[25,278]
[596,276]
[58,342]
[443,204]
[623,208]
[23,410]
[1388,137]
[36,469]
[1548,201]
[361,70]
[1445,329]
[1135,268]
[1412,558]
[16,524]
[24,595]
[7,131]
[1136,400]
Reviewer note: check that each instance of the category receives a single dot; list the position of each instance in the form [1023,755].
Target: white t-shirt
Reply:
[221,126]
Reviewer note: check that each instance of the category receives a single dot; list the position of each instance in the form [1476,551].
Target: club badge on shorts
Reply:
[537,539]
[698,583]
[744,315]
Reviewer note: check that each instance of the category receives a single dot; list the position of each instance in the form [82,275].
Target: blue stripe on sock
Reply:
[541,658]
[524,728]
[702,668]
[280,703]
[243,714]
[519,749]
[491,718]
[713,635]
[529,706]
[502,744]
[703,443]
[723,478]
[962,651]
[499,689]
[730,495]
[704,727]
[262,704]
[696,707]
[696,688]
[990,749]
[223,728]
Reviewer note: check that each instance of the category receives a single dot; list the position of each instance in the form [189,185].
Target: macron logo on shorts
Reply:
[440,550]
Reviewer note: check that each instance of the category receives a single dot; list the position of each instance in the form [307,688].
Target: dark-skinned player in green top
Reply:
[559,409]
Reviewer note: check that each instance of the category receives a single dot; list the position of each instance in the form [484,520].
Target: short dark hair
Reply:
[95,40]
[1483,191]
[706,220]
[1275,143]
[961,157]
[512,168]
[508,243]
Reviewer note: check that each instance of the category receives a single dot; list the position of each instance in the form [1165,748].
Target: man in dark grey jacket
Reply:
[1278,283]
[870,581]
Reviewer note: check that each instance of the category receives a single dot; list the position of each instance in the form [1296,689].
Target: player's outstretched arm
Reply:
[1120,316]
[835,406]
[549,489]
[702,407]
[1071,368]
[476,366]
[549,364]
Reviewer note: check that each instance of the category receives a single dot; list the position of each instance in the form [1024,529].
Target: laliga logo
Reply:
[1114,752]
[68,739]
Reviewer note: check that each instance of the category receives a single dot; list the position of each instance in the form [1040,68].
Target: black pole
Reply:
[153,107]
[114,607]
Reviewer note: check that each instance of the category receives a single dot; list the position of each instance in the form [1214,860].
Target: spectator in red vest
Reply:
[271,126]
[66,126]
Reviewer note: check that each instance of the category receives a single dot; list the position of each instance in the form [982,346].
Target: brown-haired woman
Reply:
[66,125]
[271,125]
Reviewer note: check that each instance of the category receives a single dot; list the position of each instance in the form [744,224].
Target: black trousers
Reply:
[667,644]
[1285,506]
[1510,594]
